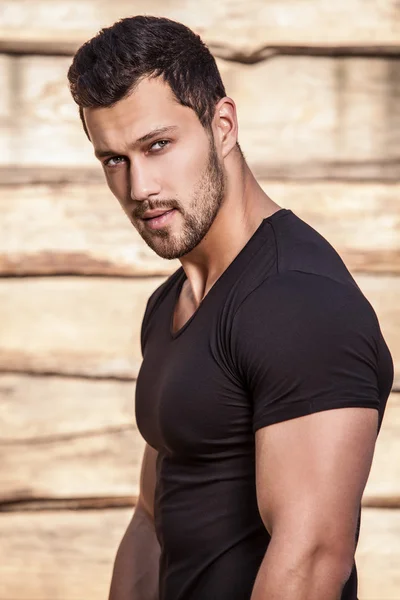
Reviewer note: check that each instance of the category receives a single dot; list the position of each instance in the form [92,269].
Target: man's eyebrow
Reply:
[141,140]
[155,132]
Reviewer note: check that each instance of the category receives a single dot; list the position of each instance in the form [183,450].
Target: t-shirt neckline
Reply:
[181,278]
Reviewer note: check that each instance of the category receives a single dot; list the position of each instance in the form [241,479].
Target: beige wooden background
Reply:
[317,84]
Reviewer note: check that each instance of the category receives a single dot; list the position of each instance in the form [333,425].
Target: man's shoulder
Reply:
[300,247]
[302,301]
[293,258]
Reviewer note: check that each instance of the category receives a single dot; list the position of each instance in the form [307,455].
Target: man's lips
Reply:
[151,214]
[163,219]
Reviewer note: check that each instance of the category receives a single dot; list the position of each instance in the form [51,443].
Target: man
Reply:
[265,374]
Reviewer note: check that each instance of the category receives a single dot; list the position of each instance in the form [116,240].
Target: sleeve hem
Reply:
[307,408]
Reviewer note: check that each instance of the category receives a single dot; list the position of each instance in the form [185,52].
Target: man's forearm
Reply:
[136,567]
[290,573]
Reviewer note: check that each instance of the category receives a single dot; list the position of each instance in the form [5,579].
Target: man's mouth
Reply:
[156,213]
[158,219]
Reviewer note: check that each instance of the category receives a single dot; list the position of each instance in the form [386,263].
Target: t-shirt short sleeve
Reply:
[303,343]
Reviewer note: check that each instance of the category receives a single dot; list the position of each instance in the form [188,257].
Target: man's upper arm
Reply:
[306,348]
[311,472]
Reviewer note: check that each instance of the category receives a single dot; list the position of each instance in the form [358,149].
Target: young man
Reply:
[265,374]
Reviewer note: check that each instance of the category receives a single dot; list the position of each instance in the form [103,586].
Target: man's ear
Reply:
[225,126]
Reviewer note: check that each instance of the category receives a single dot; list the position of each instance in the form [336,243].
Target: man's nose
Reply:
[143,182]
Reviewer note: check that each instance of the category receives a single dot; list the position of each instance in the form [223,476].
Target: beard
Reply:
[207,198]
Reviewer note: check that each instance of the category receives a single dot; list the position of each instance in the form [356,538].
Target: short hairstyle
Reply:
[109,66]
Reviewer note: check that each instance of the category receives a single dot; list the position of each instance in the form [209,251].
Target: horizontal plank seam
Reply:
[38,48]
[80,274]
[56,438]
[70,375]
[389,503]
[269,52]
[25,504]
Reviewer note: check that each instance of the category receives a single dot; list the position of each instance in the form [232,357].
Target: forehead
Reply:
[151,105]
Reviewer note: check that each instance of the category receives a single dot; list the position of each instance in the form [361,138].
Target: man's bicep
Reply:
[311,472]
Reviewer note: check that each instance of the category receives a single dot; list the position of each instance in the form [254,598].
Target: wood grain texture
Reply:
[298,116]
[91,326]
[383,486]
[63,555]
[58,229]
[81,229]
[67,439]
[378,555]
[36,409]
[384,293]
[235,29]
[361,221]
[68,555]
[317,110]
[74,326]
[20,504]
[94,464]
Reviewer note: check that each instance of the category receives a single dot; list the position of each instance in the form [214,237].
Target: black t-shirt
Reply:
[284,332]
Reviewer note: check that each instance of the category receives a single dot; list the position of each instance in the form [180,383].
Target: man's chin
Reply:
[168,255]
[162,247]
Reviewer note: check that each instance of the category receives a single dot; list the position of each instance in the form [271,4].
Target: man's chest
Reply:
[188,401]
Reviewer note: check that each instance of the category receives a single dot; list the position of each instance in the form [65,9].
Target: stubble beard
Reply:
[207,199]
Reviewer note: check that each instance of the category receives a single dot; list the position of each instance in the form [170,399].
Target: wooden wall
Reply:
[317,86]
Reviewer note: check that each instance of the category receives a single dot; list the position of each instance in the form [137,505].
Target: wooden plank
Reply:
[302,110]
[83,447]
[383,293]
[73,326]
[299,116]
[80,229]
[65,555]
[232,28]
[378,555]
[94,464]
[361,221]
[71,229]
[90,326]
[35,409]
[383,487]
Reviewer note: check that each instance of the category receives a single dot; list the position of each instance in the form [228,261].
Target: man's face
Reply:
[177,170]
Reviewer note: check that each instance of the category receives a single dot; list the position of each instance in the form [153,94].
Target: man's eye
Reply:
[162,144]
[113,161]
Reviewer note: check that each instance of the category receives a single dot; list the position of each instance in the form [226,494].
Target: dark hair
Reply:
[107,67]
